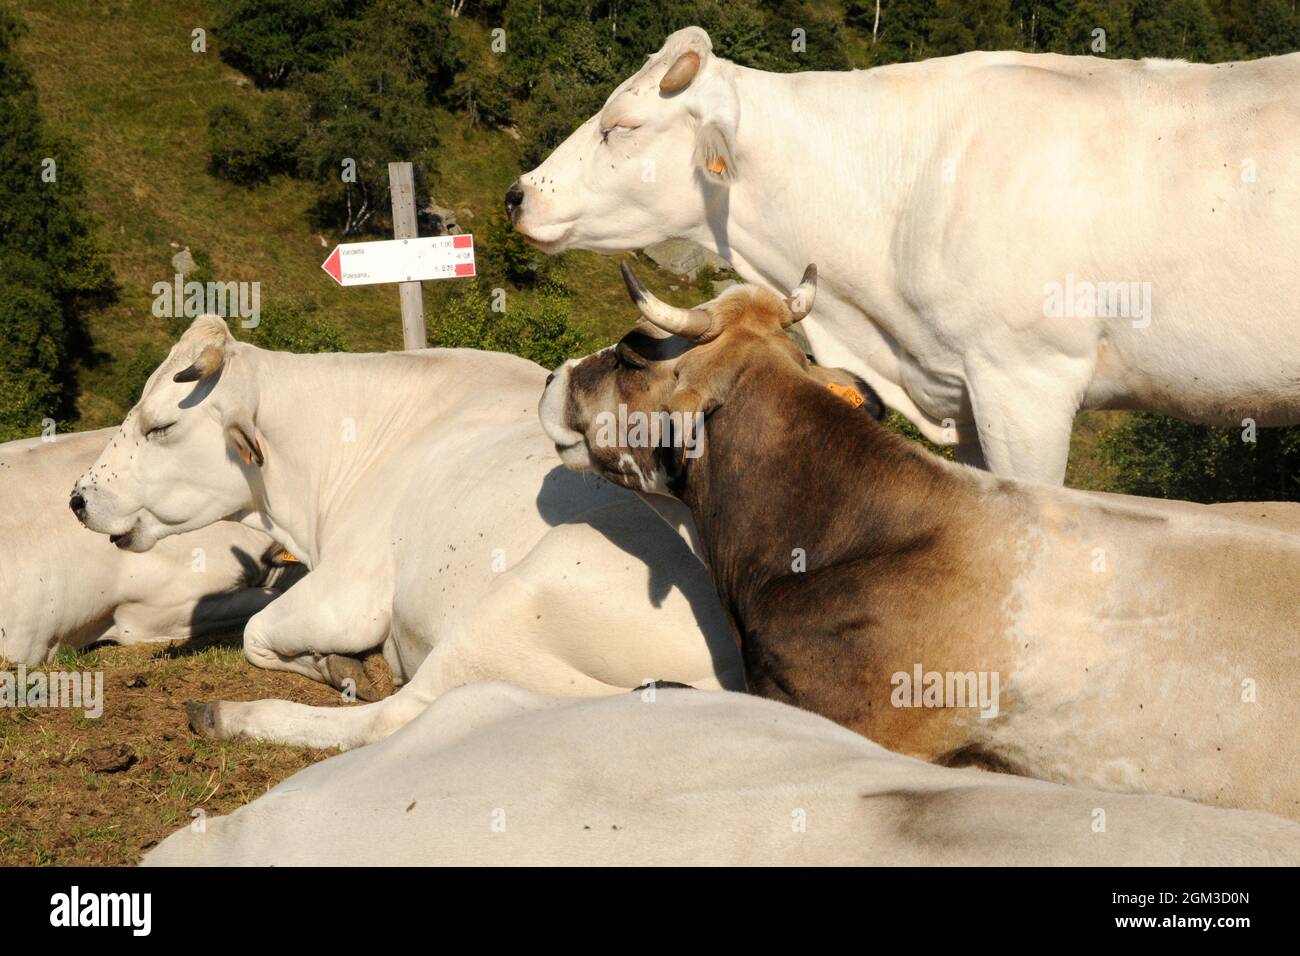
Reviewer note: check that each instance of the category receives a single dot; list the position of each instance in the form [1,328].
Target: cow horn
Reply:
[691,323]
[801,299]
[681,73]
[210,359]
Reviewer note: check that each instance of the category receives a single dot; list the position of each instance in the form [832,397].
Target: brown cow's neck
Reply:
[799,495]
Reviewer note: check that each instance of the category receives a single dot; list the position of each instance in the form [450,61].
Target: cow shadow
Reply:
[218,619]
[566,497]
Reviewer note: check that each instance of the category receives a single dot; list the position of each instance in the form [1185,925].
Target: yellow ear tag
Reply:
[716,165]
[848,393]
[288,558]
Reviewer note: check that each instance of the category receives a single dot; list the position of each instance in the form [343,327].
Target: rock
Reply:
[722,285]
[683,257]
[183,262]
[437,220]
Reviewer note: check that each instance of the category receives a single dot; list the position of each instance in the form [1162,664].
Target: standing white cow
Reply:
[1003,238]
[424,496]
[492,774]
[60,585]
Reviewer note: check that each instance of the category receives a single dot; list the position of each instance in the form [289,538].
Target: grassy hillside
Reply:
[123,84]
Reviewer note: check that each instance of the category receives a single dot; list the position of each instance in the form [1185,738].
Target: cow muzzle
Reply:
[514,201]
[552,411]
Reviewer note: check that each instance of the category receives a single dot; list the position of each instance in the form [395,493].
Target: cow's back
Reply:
[494,775]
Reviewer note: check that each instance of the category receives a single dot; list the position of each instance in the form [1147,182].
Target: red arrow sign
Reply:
[401,260]
[331,265]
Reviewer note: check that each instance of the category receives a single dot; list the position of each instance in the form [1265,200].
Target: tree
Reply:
[373,106]
[275,40]
[52,263]
[1168,458]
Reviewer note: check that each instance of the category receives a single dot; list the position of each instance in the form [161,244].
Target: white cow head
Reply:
[185,455]
[641,170]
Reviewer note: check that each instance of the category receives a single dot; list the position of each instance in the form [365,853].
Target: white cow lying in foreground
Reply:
[491,774]
[60,585]
[422,493]
[988,264]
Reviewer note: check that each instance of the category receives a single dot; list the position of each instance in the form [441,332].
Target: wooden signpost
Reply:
[405,259]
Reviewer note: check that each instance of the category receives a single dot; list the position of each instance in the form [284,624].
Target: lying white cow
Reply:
[1003,238]
[60,585]
[422,493]
[491,774]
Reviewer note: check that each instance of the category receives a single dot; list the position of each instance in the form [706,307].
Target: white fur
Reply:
[444,531]
[491,774]
[939,199]
[63,585]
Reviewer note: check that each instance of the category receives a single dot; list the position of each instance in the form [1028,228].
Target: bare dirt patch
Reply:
[76,791]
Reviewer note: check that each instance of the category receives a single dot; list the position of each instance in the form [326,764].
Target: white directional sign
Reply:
[401,260]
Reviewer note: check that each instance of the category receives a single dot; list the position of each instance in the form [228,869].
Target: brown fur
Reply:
[890,578]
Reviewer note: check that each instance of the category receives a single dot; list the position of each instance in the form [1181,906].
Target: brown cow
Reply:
[1087,639]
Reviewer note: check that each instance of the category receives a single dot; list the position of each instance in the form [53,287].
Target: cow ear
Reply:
[244,437]
[686,414]
[714,153]
[841,379]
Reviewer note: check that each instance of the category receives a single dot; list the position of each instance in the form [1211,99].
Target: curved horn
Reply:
[801,299]
[210,359]
[692,323]
[681,73]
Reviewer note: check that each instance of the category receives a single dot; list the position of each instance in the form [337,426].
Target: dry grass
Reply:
[57,810]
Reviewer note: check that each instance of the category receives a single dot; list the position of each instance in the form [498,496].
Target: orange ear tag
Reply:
[288,558]
[716,165]
[848,393]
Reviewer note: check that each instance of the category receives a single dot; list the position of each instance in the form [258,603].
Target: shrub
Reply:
[126,385]
[538,328]
[275,40]
[290,328]
[1168,458]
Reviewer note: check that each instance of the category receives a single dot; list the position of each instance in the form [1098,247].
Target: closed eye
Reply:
[617,128]
[158,431]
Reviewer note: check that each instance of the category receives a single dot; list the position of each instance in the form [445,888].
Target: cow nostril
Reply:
[514,199]
[78,504]
[550,378]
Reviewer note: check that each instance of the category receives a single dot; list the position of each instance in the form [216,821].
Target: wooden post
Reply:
[401,181]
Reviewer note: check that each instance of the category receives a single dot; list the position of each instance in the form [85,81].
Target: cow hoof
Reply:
[202,718]
[348,673]
[380,674]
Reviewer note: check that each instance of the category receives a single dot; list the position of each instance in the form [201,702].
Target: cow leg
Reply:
[1024,419]
[494,641]
[325,615]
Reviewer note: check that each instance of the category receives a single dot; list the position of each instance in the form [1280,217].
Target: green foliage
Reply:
[284,327]
[276,40]
[538,329]
[52,264]
[1168,458]
[896,422]
[364,79]
[128,382]
[249,146]
[505,256]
